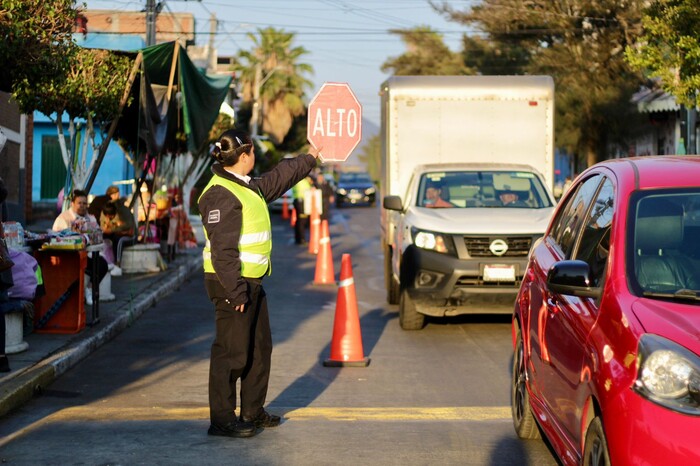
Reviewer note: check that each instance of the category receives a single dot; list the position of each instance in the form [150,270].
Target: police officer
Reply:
[236,258]
[299,191]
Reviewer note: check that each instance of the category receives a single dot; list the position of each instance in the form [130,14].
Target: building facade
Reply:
[15,158]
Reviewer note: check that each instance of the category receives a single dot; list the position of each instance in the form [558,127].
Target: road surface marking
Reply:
[385,414]
[474,413]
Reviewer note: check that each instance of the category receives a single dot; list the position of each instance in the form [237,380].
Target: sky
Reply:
[347,40]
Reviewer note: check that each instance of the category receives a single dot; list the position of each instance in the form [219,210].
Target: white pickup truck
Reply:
[484,146]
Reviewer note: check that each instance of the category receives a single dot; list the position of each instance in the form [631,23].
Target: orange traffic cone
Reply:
[346,346]
[293,221]
[325,275]
[314,228]
[285,208]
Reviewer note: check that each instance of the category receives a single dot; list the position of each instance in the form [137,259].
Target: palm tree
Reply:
[273,81]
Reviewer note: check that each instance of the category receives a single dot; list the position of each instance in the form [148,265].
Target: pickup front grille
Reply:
[470,282]
[478,246]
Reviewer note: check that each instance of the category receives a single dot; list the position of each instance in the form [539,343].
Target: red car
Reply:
[606,328]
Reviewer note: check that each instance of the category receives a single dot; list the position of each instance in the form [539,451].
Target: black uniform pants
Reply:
[242,349]
[302,222]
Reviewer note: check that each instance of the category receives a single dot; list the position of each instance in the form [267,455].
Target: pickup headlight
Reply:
[432,241]
[369,190]
[668,374]
[341,191]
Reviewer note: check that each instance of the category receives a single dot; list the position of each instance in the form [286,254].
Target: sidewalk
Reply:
[50,355]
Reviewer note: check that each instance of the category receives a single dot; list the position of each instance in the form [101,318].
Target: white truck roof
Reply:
[473,119]
[502,87]
[451,167]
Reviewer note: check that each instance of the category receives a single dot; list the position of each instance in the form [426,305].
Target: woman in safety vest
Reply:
[236,258]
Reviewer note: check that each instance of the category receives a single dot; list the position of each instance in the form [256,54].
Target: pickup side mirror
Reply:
[392,203]
[572,277]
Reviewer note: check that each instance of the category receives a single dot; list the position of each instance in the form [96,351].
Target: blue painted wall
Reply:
[115,166]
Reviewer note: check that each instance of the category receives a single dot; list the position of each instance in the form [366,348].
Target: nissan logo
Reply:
[498,247]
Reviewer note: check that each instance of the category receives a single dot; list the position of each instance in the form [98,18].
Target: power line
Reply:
[366,13]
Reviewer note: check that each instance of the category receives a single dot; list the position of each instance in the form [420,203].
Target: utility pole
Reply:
[255,114]
[152,11]
[691,121]
[258,83]
[150,22]
[211,56]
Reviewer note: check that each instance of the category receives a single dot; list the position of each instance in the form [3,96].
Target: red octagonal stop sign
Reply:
[335,122]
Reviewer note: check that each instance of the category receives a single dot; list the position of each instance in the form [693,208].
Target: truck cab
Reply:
[468,253]
[467,174]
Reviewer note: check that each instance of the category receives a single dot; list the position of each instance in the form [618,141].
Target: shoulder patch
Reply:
[214,216]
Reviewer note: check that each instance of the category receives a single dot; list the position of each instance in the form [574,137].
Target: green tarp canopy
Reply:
[173,104]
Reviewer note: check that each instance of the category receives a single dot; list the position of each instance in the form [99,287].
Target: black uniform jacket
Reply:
[224,228]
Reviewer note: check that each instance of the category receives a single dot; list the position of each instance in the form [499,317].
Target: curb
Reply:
[24,387]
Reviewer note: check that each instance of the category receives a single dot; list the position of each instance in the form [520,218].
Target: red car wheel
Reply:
[523,420]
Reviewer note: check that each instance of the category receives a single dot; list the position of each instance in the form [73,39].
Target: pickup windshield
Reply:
[496,189]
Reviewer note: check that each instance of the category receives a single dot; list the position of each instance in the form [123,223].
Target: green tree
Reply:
[494,57]
[88,93]
[295,140]
[273,79]
[36,40]
[669,47]
[426,54]
[371,157]
[579,43]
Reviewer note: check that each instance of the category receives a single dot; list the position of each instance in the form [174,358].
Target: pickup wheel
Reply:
[409,317]
[392,286]
[523,420]
[393,291]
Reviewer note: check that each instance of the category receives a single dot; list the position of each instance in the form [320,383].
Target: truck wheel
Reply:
[409,317]
[392,286]
[595,450]
[393,291]
[523,420]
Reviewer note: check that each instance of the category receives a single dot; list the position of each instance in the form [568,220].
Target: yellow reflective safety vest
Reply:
[255,242]
[299,189]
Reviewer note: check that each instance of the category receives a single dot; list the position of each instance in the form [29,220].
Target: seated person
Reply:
[75,219]
[116,222]
[99,202]
[511,199]
[433,196]
[146,205]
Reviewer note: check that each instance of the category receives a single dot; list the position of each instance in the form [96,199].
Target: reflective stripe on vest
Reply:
[255,241]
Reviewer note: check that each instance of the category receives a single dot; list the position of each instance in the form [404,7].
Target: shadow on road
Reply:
[304,390]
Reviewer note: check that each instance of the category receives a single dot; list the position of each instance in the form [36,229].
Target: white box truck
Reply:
[483,145]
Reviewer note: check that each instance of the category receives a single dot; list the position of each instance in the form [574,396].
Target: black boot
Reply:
[4,364]
[171,252]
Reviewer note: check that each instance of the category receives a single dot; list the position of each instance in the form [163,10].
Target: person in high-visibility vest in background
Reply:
[236,256]
[299,192]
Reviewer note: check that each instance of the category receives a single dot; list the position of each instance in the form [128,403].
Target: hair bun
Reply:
[216,151]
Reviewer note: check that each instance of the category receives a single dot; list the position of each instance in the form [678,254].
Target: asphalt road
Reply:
[435,396]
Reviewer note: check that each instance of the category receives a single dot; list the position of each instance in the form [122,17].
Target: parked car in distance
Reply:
[277,204]
[353,188]
[606,323]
